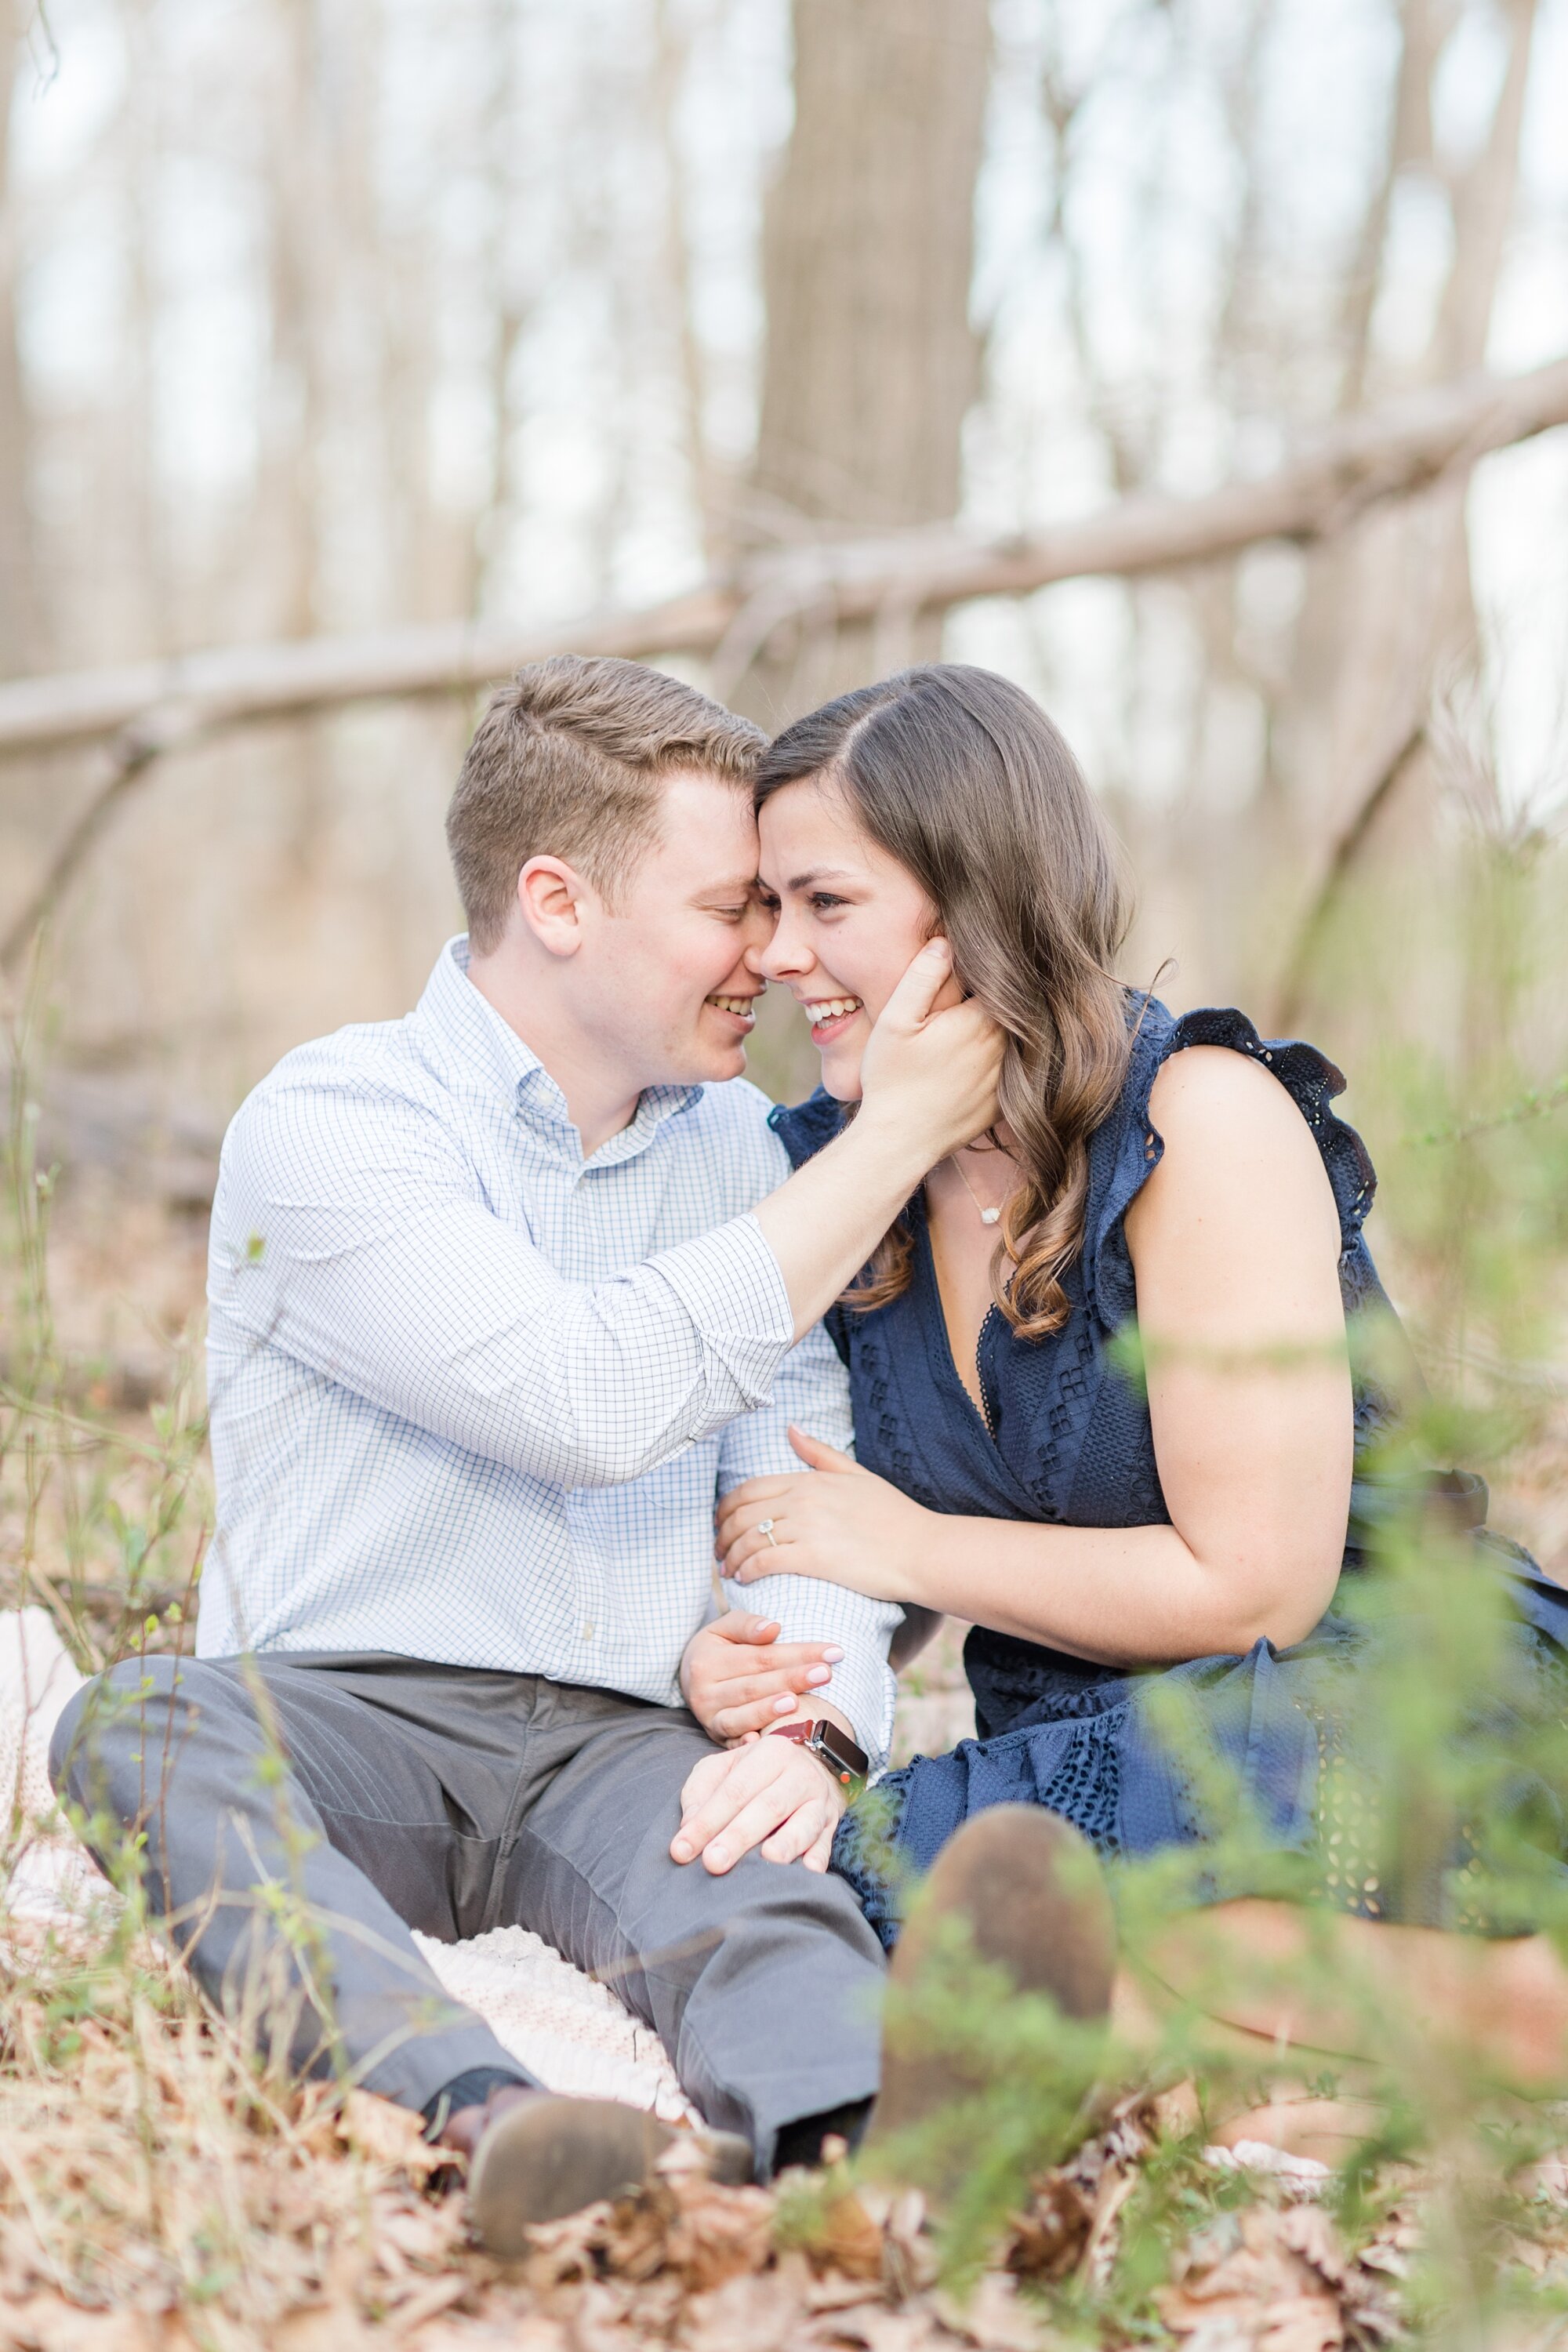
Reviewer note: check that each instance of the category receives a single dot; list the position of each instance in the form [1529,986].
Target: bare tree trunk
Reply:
[1423,27]
[144,139]
[671,49]
[1390,611]
[21,618]
[301,230]
[870,361]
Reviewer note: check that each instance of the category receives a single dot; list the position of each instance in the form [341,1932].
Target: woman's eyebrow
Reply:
[818,874]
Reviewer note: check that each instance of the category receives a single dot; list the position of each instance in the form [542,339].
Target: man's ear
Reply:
[552,893]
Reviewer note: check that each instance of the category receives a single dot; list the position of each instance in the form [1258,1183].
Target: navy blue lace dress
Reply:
[1066,1440]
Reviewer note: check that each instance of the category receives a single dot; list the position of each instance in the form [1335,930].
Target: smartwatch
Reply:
[849,1764]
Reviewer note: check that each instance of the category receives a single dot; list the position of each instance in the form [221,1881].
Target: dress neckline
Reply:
[946,1361]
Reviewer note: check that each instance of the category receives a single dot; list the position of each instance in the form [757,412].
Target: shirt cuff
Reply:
[729,1285]
[809,1609]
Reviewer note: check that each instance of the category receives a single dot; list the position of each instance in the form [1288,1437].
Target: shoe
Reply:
[1031,1889]
[540,2157]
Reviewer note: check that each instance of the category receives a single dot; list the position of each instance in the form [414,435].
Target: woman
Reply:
[1111,1538]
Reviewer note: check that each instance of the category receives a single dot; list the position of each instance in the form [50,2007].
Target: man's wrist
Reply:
[808,1709]
[888,1159]
[838,1752]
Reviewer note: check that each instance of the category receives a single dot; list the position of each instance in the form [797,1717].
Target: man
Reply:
[502,1296]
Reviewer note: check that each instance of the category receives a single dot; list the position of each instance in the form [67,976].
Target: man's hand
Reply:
[737,1675]
[767,1793]
[929,1079]
[835,1520]
[934,1060]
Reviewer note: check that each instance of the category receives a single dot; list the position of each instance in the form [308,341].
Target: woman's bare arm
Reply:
[1235,1244]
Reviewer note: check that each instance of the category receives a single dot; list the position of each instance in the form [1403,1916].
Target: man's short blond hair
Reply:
[568,761]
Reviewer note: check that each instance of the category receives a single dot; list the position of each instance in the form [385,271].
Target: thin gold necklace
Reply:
[987,1216]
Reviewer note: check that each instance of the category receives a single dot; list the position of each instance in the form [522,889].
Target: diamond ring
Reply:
[765,1527]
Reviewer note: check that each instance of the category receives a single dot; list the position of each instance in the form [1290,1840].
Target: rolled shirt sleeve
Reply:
[812,1389]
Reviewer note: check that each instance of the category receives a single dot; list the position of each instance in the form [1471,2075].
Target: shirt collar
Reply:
[471,1041]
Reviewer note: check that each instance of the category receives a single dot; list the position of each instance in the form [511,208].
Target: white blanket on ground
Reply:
[571,2033]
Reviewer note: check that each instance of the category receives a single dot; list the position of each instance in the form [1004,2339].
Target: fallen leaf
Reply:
[47,2323]
[848,2239]
[427,2301]
[755,2314]
[1099,2248]
[564,2250]
[332,2326]
[389,2134]
[836,2293]
[1307,2231]
[1177,2112]
[1048,2240]
[993,2317]
[597,2323]
[912,2329]
[718,2233]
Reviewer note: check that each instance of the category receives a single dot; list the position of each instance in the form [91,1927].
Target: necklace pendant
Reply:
[990,1216]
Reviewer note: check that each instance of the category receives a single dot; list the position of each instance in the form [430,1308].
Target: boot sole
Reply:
[1030,1887]
[550,2156]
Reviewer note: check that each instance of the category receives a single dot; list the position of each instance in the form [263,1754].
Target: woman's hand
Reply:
[835,1521]
[737,1675]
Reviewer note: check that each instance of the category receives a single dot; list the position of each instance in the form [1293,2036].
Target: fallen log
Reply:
[1382,453]
[142,710]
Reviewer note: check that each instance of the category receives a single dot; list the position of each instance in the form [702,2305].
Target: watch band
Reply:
[833,1748]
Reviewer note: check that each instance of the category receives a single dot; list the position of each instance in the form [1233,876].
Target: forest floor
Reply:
[157,2190]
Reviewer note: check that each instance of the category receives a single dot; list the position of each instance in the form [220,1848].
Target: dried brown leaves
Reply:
[154,2192]
[1277,2279]
[156,2196]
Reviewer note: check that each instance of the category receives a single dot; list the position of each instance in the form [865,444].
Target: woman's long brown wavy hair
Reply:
[959,775]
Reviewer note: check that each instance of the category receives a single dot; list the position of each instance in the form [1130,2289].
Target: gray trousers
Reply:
[302,1812]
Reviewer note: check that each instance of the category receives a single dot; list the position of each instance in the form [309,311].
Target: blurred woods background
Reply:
[327,316]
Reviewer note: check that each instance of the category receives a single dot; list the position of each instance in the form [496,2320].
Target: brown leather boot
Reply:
[534,2156]
[1031,1889]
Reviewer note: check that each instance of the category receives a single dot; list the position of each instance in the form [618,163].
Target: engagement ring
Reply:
[765,1527]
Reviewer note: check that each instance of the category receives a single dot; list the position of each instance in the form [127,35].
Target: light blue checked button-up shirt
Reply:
[473,1396]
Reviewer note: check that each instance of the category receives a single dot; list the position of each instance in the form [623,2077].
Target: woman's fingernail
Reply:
[783,1704]
[819,1674]
[681,1850]
[718,1855]
[833,1654]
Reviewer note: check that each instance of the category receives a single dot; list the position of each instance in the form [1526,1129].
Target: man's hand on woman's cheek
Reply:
[767,1793]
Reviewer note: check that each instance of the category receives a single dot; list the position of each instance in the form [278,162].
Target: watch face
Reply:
[849,1762]
[830,1746]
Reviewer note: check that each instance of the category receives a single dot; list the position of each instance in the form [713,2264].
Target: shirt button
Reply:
[587,1630]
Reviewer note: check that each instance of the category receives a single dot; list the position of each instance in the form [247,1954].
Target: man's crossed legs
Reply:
[392,1795]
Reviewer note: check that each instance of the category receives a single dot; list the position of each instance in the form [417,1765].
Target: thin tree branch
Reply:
[1348,844]
[150,708]
[120,765]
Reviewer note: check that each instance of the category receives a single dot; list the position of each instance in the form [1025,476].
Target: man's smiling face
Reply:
[672,982]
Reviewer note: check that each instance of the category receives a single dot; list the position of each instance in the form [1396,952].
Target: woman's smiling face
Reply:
[848,921]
